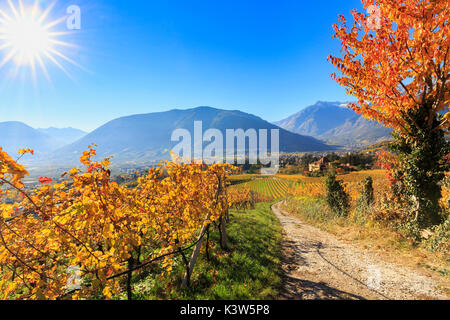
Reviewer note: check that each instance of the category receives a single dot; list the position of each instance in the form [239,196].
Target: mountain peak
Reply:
[14,123]
[205,108]
[15,135]
[336,124]
[147,137]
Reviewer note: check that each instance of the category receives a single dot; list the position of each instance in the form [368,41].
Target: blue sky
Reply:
[263,57]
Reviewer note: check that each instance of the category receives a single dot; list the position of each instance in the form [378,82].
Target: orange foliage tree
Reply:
[396,63]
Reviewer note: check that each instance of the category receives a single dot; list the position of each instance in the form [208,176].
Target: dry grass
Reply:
[315,187]
[242,177]
[350,177]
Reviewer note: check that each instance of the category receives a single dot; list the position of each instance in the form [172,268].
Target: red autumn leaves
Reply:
[45,180]
[90,170]
[94,166]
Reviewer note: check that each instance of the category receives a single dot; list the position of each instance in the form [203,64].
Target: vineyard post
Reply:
[186,264]
[129,275]
[194,256]
[207,243]
[226,219]
[228,213]
[223,233]
[222,224]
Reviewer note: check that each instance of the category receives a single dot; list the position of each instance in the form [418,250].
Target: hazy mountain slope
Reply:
[356,132]
[335,124]
[17,135]
[139,138]
[63,136]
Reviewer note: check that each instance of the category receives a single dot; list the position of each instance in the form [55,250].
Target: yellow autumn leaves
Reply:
[91,222]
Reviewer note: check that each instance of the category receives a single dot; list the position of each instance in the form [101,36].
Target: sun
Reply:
[28,39]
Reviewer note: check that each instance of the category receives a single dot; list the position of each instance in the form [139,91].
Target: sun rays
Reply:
[29,39]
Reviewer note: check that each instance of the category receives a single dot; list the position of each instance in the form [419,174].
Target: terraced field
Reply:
[277,187]
[269,187]
[350,177]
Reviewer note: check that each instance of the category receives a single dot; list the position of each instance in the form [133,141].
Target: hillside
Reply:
[17,135]
[62,136]
[334,123]
[144,137]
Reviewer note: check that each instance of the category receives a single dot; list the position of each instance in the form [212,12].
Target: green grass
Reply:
[251,269]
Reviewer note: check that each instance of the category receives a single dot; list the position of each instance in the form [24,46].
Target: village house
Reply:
[320,165]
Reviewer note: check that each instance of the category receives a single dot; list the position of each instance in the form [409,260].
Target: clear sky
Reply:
[263,57]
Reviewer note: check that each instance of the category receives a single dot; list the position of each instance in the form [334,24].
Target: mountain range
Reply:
[143,137]
[335,124]
[138,139]
[16,135]
[62,136]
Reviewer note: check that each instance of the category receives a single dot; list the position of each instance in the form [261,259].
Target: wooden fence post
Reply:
[223,232]
[194,256]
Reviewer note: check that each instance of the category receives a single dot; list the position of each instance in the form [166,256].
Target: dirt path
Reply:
[319,266]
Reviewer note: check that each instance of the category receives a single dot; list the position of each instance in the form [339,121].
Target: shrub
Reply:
[337,198]
[440,241]
[423,162]
[367,197]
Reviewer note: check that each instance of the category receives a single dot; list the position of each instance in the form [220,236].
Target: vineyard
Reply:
[350,177]
[352,184]
[280,186]
[88,237]
[270,188]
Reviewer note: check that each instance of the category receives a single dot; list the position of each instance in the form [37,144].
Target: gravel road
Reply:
[319,266]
